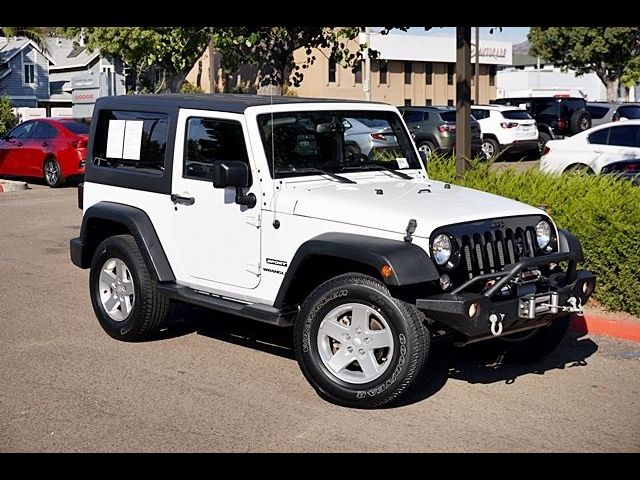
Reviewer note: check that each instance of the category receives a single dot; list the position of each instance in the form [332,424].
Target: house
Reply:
[34,78]
[24,72]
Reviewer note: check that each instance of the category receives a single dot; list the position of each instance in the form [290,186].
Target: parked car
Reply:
[605,112]
[368,136]
[594,149]
[48,148]
[556,117]
[434,129]
[505,128]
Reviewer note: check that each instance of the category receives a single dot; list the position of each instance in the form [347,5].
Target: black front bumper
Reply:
[516,313]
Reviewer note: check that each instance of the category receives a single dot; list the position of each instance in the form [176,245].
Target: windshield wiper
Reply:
[383,167]
[340,178]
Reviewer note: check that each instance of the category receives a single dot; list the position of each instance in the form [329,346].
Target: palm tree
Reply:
[36,34]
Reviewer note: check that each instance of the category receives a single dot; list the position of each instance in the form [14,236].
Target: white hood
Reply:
[427,201]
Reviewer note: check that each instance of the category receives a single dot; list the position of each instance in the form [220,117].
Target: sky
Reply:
[508,34]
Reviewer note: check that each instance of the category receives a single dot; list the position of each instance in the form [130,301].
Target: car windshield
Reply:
[76,126]
[296,143]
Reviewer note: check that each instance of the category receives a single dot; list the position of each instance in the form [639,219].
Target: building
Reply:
[411,70]
[530,76]
[41,79]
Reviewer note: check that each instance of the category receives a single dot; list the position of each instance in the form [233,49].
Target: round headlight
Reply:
[543,233]
[441,249]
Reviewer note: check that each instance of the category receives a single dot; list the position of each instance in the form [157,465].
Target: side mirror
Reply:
[234,174]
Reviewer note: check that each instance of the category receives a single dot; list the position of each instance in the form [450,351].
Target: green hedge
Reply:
[604,212]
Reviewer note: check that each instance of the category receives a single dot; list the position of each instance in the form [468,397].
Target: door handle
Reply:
[175,198]
[19,144]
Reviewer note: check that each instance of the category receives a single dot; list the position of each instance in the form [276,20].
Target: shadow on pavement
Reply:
[474,364]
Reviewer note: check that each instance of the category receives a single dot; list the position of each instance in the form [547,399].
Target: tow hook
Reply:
[496,324]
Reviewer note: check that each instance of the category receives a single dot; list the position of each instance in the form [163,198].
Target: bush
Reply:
[7,119]
[603,211]
[188,87]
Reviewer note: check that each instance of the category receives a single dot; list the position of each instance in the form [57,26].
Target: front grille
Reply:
[491,250]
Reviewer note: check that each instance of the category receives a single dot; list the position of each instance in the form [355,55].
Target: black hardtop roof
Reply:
[222,102]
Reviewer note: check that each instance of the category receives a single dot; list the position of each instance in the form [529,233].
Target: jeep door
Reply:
[217,240]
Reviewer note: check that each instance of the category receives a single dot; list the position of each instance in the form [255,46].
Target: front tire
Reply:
[356,344]
[52,173]
[531,347]
[123,293]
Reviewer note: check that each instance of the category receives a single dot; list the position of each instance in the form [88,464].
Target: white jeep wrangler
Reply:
[253,206]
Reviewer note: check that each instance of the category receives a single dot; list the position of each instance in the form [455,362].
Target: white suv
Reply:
[257,207]
[506,128]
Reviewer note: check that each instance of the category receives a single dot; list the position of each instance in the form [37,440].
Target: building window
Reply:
[451,69]
[428,102]
[428,73]
[384,69]
[492,75]
[332,70]
[358,73]
[407,73]
[29,73]
[407,102]
[450,102]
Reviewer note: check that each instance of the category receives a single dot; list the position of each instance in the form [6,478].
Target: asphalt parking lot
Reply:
[219,383]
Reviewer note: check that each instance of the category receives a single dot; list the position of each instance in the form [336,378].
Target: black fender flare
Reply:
[568,242]
[410,264]
[546,129]
[141,228]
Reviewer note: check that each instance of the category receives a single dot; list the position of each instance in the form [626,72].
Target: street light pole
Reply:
[463,98]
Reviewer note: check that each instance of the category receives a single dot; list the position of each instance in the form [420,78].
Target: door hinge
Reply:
[253,268]
[254,220]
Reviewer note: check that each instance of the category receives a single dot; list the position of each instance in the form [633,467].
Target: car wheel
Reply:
[352,150]
[123,293]
[427,148]
[356,344]
[580,121]
[52,173]
[491,148]
[543,138]
[578,169]
[532,346]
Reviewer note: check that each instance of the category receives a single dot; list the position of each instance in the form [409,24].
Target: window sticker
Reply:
[402,163]
[115,138]
[132,140]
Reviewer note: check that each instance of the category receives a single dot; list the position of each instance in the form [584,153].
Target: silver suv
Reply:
[605,112]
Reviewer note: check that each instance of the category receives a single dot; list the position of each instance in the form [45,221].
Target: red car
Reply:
[53,149]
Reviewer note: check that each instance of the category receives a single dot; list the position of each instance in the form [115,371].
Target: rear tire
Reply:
[52,173]
[124,296]
[491,148]
[427,147]
[580,121]
[356,344]
[543,138]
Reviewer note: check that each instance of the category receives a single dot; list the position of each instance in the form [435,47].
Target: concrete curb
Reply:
[12,186]
[622,329]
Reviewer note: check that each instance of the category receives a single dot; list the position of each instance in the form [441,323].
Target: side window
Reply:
[599,137]
[479,114]
[22,131]
[597,112]
[624,136]
[546,107]
[44,131]
[208,141]
[412,116]
[131,140]
[630,112]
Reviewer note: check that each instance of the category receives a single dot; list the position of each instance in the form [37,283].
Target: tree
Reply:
[271,48]
[36,34]
[610,52]
[7,119]
[171,50]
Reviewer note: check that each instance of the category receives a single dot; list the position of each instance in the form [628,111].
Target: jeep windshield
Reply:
[303,143]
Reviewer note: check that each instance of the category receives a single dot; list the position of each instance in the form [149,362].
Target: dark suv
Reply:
[557,117]
[434,129]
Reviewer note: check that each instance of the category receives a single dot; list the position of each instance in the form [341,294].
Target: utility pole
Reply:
[476,80]
[463,98]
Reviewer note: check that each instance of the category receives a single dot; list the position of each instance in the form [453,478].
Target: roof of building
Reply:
[68,54]
[224,102]
[10,47]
